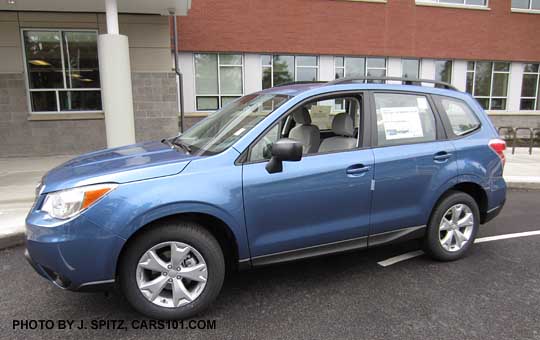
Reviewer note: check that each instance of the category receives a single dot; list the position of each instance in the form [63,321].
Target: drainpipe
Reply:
[115,75]
[177,70]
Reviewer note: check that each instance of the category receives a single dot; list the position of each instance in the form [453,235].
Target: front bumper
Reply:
[76,254]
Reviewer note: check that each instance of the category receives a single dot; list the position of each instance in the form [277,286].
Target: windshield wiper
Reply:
[183,145]
[175,145]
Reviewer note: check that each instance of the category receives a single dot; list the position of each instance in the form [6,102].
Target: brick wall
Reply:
[397,28]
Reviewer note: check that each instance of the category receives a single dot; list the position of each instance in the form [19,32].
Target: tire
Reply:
[441,245]
[194,244]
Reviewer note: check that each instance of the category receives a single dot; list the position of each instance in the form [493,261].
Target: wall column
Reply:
[115,74]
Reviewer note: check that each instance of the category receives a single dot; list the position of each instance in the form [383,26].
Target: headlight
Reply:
[68,203]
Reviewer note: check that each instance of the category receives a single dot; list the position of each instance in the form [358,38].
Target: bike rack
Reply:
[531,138]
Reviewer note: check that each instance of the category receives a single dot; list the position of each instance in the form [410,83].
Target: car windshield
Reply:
[224,127]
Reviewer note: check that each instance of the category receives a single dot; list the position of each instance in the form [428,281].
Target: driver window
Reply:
[262,149]
[322,126]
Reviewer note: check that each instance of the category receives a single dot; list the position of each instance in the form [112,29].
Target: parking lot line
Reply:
[506,236]
[416,253]
[399,258]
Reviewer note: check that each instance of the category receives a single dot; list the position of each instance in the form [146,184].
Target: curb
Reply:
[16,239]
[11,240]
[523,185]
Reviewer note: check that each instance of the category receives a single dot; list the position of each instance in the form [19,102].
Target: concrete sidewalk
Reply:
[19,176]
[18,180]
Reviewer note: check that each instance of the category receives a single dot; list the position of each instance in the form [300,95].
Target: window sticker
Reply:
[422,103]
[402,122]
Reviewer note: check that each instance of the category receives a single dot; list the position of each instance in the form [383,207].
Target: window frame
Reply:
[493,71]
[447,125]
[440,131]
[418,75]
[364,135]
[449,4]
[56,90]
[366,66]
[451,69]
[536,99]
[219,95]
[296,66]
[525,10]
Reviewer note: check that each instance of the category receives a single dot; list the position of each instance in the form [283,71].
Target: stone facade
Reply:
[155,109]
[155,106]
[516,120]
[20,136]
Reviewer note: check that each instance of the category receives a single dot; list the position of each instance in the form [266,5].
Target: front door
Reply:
[318,205]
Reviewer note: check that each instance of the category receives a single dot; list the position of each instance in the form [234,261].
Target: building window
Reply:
[443,71]
[526,4]
[530,94]
[218,79]
[481,3]
[62,69]
[282,69]
[410,68]
[351,67]
[488,83]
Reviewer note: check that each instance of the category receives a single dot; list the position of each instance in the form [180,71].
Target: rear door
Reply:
[413,160]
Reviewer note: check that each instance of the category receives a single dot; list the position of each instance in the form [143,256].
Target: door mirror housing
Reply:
[284,150]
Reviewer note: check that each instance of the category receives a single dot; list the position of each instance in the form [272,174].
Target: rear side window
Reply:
[404,119]
[462,118]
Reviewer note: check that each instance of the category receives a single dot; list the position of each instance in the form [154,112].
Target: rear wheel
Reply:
[172,271]
[453,227]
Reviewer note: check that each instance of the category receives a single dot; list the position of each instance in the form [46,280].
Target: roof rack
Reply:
[302,82]
[407,81]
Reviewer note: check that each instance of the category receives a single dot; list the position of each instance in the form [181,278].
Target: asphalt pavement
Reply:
[494,293]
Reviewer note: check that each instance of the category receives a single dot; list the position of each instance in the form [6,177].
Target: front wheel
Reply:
[172,271]
[453,227]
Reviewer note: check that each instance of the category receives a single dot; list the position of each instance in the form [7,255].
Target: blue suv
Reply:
[283,174]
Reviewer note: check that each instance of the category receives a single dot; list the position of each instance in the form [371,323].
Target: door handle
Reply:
[442,156]
[357,170]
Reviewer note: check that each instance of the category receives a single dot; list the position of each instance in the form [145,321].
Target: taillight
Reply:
[498,145]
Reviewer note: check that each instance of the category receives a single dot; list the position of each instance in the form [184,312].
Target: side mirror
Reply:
[285,149]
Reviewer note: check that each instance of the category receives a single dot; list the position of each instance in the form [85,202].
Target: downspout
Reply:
[177,71]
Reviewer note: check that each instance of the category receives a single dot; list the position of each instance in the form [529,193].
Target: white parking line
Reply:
[402,257]
[503,237]
[416,253]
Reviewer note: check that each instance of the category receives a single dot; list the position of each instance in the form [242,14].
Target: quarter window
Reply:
[530,93]
[62,70]
[403,119]
[526,4]
[461,117]
[488,83]
[218,79]
[282,69]
[360,67]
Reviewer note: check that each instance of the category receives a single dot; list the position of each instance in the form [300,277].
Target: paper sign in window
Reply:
[401,122]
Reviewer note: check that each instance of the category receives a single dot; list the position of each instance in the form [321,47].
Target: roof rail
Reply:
[302,82]
[407,81]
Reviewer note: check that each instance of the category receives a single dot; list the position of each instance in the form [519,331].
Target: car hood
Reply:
[118,165]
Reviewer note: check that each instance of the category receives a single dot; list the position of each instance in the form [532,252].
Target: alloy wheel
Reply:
[456,227]
[171,274]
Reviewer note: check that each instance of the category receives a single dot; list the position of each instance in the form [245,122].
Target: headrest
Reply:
[301,116]
[343,125]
